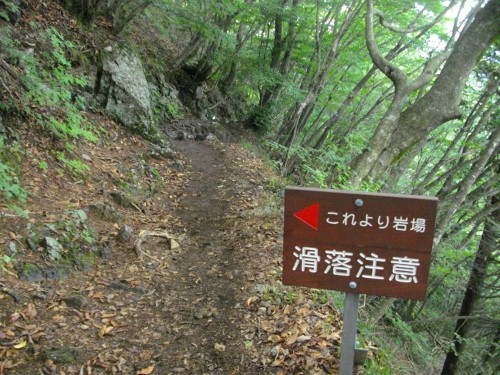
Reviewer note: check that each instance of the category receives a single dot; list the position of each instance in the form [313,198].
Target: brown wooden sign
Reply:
[377,244]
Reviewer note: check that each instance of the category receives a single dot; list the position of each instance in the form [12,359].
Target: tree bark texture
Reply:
[399,130]
[487,246]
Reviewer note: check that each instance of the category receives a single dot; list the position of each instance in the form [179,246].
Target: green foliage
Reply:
[381,363]
[165,107]
[75,166]
[43,165]
[279,294]
[8,10]
[6,263]
[52,101]
[119,12]
[74,234]
[414,344]
[10,187]
[52,96]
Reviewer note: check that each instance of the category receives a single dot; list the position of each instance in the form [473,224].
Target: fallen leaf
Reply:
[220,348]
[10,333]
[303,338]
[14,317]
[252,300]
[21,345]
[293,337]
[146,371]
[30,311]
[105,330]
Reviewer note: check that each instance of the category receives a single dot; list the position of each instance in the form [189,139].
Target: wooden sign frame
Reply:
[371,243]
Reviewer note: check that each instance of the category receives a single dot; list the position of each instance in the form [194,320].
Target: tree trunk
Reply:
[301,111]
[466,184]
[398,131]
[487,246]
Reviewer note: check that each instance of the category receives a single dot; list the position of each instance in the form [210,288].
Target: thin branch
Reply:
[392,72]
[429,71]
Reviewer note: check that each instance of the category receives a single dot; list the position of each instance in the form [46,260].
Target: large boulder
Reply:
[121,87]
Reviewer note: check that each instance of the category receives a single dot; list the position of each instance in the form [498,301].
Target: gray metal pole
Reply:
[348,343]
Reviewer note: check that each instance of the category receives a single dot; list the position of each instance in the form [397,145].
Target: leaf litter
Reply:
[210,303]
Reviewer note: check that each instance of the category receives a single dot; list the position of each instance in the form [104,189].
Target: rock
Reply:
[173,244]
[11,249]
[122,285]
[105,250]
[160,152]
[106,211]
[75,302]
[125,234]
[180,135]
[198,315]
[219,348]
[15,295]
[34,273]
[31,244]
[165,100]
[56,272]
[29,272]
[78,215]
[121,198]
[211,137]
[84,261]
[64,355]
[200,137]
[86,158]
[177,166]
[124,91]
[54,248]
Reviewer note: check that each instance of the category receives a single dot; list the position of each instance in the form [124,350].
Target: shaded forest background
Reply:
[393,96]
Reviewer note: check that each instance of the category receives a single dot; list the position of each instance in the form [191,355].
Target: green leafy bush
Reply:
[10,188]
[53,90]
[9,10]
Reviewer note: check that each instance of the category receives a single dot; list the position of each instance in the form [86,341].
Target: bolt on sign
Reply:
[371,243]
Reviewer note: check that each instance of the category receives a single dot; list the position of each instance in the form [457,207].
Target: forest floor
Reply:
[193,288]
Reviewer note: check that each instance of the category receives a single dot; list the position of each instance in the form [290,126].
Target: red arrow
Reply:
[309,215]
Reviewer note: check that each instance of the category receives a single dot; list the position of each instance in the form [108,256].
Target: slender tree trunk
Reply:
[487,246]
[298,117]
[466,184]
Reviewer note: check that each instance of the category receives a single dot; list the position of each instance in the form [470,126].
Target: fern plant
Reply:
[10,188]
[53,90]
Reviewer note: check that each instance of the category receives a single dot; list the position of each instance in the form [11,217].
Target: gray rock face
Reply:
[125,234]
[165,100]
[124,92]
[54,248]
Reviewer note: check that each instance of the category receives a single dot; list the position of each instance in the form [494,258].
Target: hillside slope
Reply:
[132,260]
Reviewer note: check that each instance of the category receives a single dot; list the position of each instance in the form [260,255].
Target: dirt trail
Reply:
[193,309]
[209,278]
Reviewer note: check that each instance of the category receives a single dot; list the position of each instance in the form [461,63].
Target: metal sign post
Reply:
[348,344]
